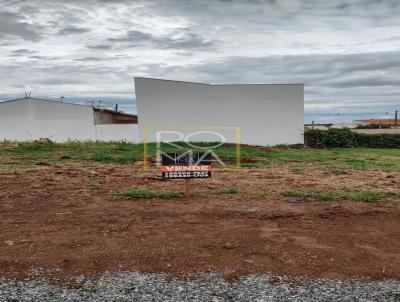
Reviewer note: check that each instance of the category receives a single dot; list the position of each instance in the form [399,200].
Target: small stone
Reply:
[228,246]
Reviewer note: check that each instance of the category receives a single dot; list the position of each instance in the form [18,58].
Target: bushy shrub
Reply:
[372,126]
[345,138]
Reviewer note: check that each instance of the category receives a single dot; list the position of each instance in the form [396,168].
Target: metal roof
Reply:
[66,103]
[197,83]
[43,100]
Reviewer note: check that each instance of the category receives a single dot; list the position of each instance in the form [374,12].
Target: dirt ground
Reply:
[63,219]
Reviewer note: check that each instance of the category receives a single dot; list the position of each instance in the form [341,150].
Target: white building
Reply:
[33,119]
[258,114]
[350,125]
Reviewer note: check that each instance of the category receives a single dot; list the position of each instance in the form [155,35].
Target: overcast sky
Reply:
[347,53]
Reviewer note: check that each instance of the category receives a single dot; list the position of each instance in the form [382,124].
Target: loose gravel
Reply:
[132,286]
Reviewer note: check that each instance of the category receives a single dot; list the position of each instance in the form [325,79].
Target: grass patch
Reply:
[229,191]
[336,160]
[340,159]
[94,186]
[340,195]
[323,196]
[137,193]
[294,194]
[143,193]
[258,164]
[367,196]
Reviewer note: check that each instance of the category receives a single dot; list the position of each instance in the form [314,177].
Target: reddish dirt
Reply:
[62,219]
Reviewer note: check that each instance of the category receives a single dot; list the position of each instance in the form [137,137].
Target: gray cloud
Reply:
[188,40]
[134,37]
[41,58]
[22,52]
[100,47]
[71,30]
[11,25]
[94,59]
[362,80]
[345,51]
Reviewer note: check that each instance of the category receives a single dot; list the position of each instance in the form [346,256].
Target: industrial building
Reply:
[30,119]
[256,114]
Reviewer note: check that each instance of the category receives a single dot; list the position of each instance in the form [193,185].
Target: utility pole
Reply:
[395,119]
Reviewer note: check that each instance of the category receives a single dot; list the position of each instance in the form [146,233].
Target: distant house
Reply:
[380,122]
[33,119]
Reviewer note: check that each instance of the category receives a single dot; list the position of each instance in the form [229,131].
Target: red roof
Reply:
[386,122]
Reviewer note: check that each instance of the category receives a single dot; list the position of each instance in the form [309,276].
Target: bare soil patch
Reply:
[64,220]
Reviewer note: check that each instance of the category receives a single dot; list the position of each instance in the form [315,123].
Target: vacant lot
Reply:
[75,209]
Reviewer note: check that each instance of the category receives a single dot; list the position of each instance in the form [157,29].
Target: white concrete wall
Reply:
[117,132]
[31,119]
[266,114]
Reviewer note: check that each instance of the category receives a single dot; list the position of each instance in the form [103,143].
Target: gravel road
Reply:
[131,286]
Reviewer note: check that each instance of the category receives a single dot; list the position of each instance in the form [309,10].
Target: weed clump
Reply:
[340,195]
[142,193]
[229,191]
